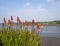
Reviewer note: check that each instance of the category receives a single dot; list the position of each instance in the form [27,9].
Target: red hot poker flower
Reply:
[12,23]
[9,23]
[26,23]
[11,17]
[17,18]
[38,27]
[12,20]
[19,21]
[33,21]
[4,21]
[36,24]
[23,23]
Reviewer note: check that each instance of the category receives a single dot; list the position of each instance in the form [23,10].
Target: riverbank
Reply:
[52,25]
[50,41]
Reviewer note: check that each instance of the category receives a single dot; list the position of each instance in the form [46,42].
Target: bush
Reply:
[18,38]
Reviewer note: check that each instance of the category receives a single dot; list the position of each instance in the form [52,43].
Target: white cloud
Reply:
[31,11]
[50,0]
[27,4]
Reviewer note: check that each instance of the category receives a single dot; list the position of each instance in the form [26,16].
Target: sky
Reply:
[39,10]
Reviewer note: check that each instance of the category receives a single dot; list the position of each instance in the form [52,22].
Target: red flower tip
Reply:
[9,23]
[11,17]
[26,23]
[4,20]
[33,21]
[38,26]
[18,20]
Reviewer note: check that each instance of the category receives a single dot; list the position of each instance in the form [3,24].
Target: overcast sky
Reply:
[39,10]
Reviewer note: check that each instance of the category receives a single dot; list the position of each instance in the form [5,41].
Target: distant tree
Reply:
[58,22]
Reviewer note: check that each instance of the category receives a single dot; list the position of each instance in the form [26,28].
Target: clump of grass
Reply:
[18,38]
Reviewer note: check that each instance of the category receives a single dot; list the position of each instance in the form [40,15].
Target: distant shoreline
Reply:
[52,25]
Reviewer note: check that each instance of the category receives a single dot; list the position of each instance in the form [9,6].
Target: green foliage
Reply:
[58,22]
[18,38]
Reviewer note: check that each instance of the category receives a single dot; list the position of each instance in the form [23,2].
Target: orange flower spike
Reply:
[33,21]
[11,17]
[12,23]
[19,21]
[17,18]
[4,20]
[23,23]
[26,23]
[9,23]
[12,20]
[38,26]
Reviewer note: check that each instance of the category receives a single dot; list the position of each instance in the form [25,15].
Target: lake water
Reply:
[50,31]
[47,31]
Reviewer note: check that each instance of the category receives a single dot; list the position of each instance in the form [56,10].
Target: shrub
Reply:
[18,38]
